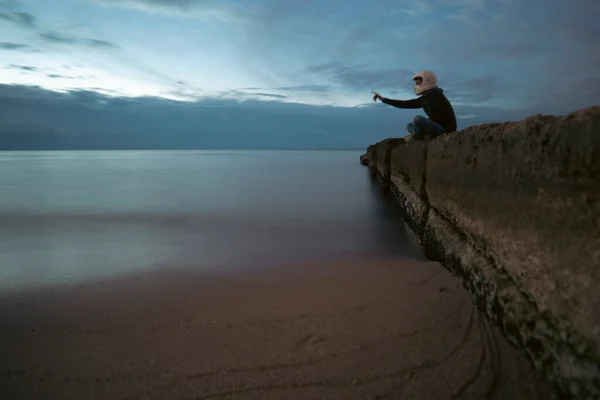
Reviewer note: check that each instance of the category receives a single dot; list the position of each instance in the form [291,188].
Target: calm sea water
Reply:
[68,217]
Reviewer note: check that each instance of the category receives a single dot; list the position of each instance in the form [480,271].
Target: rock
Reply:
[364,159]
[514,210]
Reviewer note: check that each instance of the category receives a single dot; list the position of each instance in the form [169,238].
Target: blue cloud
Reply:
[26,68]
[276,96]
[363,77]
[22,19]
[13,46]
[61,38]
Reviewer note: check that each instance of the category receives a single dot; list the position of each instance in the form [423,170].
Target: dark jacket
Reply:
[436,106]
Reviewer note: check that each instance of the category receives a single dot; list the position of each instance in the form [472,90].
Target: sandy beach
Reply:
[360,329]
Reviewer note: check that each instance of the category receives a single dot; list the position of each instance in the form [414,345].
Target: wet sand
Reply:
[362,329]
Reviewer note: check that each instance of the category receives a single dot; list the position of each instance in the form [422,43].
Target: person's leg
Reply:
[425,128]
[411,131]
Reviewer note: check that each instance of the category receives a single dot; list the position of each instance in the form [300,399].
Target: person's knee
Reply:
[417,119]
[418,127]
[418,124]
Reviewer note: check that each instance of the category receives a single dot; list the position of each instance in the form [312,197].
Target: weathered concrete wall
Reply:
[378,156]
[514,209]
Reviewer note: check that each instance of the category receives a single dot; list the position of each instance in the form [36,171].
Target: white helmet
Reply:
[429,80]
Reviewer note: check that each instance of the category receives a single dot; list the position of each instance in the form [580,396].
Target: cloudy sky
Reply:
[284,69]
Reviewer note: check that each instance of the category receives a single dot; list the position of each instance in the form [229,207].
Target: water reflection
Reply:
[66,217]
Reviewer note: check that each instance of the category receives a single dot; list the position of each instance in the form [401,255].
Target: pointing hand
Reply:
[377,96]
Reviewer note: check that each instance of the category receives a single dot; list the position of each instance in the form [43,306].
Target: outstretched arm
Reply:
[414,103]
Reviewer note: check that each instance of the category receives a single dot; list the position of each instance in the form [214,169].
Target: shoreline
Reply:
[368,328]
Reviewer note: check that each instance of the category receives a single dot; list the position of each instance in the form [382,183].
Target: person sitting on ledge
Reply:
[435,104]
